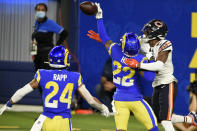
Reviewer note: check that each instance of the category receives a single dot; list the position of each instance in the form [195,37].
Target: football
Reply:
[88,8]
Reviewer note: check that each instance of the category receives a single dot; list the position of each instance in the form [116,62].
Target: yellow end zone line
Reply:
[10,127]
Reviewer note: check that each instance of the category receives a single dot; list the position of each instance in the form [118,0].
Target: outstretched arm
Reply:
[94,102]
[103,36]
[19,94]
[155,66]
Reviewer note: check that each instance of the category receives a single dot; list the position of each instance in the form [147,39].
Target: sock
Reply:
[167,125]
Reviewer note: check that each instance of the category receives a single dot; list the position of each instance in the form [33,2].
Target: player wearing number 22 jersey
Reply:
[127,97]
[58,87]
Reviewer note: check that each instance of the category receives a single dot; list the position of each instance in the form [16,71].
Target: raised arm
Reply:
[103,36]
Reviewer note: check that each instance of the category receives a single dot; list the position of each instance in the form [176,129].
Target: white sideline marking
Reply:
[25,108]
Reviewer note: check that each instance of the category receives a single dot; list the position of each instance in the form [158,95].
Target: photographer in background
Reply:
[192,89]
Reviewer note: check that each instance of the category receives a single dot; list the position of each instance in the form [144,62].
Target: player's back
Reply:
[124,77]
[58,88]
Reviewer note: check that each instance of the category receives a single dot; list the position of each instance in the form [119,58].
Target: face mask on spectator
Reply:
[40,14]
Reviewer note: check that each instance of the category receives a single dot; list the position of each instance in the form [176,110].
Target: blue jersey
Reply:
[48,26]
[124,77]
[58,88]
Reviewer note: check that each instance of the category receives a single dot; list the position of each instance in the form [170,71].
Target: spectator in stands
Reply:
[106,88]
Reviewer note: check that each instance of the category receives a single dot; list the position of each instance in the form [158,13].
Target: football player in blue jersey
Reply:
[127,97]
[59,86]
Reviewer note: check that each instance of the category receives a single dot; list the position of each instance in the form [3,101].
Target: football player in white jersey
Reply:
[164,84]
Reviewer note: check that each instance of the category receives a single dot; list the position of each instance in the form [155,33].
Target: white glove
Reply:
[3,108]
[105,111]
[99,14]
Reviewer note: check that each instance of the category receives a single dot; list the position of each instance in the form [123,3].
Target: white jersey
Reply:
[164,76]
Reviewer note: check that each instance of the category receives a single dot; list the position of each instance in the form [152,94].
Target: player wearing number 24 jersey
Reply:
[59,86]
[58,89]
[127,97]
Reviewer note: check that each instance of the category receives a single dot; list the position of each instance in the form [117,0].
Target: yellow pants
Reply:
[57,124]
[141,110]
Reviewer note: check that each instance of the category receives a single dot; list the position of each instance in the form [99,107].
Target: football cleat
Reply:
[194,118]
[154,29]
[59,57]
[130,44]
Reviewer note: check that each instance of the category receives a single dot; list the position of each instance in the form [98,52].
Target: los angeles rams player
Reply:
[165,84]
[59,86]
[127,97]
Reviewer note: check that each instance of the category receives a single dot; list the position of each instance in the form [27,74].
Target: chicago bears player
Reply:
[164,84]
[127,96]
[59,86]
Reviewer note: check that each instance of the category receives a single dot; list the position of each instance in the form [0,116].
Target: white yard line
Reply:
[25,108]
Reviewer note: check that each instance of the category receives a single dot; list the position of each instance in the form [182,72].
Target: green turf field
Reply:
[22,121]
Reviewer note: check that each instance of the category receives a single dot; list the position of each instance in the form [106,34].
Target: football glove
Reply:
[99,14]
[105,111]
[93,35]
[8,105]
[132,63]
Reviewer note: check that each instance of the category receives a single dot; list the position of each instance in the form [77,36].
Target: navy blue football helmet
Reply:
[59,57]
[154,29]
[130,44]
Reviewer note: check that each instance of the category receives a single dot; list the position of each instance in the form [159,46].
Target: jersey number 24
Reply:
[68,89]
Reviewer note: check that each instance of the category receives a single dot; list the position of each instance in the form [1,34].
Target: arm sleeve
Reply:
[155,66]
[148,75]
[102,32]
[89,98]
[62,37]
[20,93]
